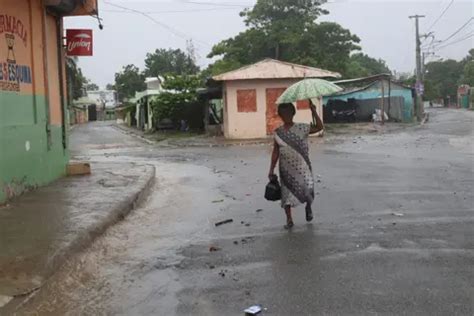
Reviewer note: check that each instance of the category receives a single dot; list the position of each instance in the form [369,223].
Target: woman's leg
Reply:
[289,218]
[309,212]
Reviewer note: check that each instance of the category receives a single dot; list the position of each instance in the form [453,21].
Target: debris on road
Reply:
[253,310]
[214,249]
[259,210]
[236,242]
[398,214]
[247,240]
[217,201]
[227,221]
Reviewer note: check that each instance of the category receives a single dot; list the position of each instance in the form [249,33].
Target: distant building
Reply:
[464,95]
[105,98]
[250,94]
[144,100]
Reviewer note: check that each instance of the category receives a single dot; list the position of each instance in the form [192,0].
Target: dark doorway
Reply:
[92,109]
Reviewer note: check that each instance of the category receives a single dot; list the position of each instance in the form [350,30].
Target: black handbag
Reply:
[273,189]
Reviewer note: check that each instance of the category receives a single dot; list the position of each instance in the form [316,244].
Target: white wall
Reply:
[251,125]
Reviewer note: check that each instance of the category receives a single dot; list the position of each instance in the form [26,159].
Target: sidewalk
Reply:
[332,132]
[40,230]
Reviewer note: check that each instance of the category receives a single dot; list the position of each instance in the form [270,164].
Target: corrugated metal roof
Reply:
[275,69]
[364,79]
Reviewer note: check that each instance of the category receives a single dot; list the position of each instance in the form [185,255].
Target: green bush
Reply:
[179,101]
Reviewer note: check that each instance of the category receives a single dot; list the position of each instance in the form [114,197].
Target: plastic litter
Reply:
[253,310]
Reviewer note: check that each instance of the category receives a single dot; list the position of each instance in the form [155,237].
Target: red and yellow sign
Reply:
[79,42]
[15,70]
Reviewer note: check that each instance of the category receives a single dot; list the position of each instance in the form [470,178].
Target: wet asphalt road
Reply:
[393,232]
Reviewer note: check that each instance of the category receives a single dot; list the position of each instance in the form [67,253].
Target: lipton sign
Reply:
[79,42]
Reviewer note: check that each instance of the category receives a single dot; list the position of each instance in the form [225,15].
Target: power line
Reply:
[169,28]
[170,11]
[441,15]
[457,41]
[457,31]
[217,4]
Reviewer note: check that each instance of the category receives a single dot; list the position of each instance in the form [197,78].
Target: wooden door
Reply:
[273,120]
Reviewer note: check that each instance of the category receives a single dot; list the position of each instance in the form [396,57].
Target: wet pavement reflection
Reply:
[357,258]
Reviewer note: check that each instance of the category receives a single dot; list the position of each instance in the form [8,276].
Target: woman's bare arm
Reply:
[275,157]
[319,123]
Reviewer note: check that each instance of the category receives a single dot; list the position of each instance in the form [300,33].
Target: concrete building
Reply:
[143,101]
[250,93]
[33,111]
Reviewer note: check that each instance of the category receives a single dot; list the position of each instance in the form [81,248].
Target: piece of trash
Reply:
[319,181]
[213,249]
[253,310]
[227,221]
[394,224]
[236,242]
[259,210]
[242,222]
[398,214]
[248,224]
[222,273]
[217,201]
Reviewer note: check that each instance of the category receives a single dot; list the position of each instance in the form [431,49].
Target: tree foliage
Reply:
[286,30]
[179,100]
[128,81]
[362,65]
[468,74]
[90,86]
[442,79]
[169,62]
[75,79]
[468,69]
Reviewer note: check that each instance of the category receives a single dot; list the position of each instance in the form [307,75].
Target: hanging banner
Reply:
[79,42]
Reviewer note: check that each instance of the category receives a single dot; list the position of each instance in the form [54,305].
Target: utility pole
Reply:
[419,79]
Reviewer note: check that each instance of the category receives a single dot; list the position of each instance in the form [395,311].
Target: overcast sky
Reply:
[384,28]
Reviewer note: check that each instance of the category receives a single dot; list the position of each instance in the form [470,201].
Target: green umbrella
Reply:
[308,89]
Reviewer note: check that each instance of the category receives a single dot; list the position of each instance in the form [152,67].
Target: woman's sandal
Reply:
[289,225]
[309,214]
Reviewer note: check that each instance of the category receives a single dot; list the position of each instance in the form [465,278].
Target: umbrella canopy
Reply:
[308,89]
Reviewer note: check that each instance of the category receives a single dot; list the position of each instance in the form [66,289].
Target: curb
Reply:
[176,144]
[211,145]
[131,133]
[90,234]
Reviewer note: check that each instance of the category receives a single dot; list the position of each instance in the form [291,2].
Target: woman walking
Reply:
[291,150]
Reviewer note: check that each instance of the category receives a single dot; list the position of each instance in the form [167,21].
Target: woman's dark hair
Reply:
[286,108]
